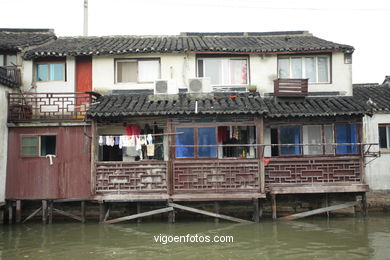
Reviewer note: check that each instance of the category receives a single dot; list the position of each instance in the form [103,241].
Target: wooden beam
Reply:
[273,200]
[141,215]
[50,212]
[256,212]
[32,214]
[107,214]
[216,211]
[66,214]
[364,204]
[83,211]
[139,211]
[44,211]
[18,212]
[319,211]
[10,212]
[208,213]
[102,209]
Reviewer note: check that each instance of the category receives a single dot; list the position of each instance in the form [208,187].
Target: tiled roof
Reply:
[379,97]
[212,104]
[17,39]
[284,42]
[316,107]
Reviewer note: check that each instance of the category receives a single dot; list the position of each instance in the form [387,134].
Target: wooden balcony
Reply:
[291,87]
[10,76]
[317,174]
[28,107]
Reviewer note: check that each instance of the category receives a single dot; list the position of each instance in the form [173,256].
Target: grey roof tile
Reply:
[17,39]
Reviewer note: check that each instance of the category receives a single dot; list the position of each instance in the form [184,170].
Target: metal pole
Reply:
[85,27]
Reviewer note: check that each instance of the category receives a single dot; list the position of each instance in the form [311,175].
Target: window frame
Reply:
[246,58]
[324,153]
[302,57]
[5,59]
[135,60]
[38,146]
[48,63]
[387,127]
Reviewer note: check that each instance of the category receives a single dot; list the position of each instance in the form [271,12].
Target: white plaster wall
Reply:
[49,86]
[179,67]
[378,171]
[263,71]
[3,140]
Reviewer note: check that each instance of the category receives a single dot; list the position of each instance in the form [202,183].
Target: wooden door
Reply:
[84,74]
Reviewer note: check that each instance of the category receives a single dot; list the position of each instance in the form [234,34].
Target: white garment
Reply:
[149,139]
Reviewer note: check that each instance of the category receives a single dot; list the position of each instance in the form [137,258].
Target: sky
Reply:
[362,24]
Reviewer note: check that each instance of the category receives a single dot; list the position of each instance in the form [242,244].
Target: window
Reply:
[316,139]
[205,136]
[137,70]
[38,145]
[315,68]
[7,60]
[384,136]
[50,71]
[290,135]
[346,134]
[224,71]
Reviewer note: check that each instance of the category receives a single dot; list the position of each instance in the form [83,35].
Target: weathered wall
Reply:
[181,67]
[49,86]
[377,171]
[3,139]
[35,178]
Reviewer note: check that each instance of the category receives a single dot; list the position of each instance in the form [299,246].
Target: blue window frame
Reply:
[186,138]
[346,133]
[206,136]
[290,135]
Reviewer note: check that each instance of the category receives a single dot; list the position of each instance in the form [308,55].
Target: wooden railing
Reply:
[24,107]
[291,87]
[319,170]
[216,176]
[10,76]
[131,177]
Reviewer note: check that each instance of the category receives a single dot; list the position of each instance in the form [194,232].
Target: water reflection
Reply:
[338,238]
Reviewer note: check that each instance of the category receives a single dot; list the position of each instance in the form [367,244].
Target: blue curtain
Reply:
[346,133]
[206,136]
[290,135]
[187,138]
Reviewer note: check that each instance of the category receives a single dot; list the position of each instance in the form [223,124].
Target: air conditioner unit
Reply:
[199,85]
[165,86]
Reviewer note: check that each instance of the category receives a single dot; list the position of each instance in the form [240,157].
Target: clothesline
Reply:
[162,134]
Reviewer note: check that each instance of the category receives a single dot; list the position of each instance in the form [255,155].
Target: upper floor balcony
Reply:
[291,87]
[10,76]
[30,107]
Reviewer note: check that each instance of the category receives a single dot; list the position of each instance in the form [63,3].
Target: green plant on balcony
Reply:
[252,88]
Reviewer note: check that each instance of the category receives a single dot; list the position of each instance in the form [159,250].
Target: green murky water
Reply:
[317,238]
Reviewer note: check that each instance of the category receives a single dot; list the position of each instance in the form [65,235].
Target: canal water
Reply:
[312,238]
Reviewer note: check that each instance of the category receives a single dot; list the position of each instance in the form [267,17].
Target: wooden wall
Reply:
[35,178]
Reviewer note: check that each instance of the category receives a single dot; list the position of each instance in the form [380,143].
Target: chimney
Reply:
[85,29]
[386,83]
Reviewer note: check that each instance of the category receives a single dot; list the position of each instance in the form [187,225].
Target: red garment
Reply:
[133,130]
[222,134]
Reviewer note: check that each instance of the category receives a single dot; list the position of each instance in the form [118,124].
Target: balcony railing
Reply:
[10,76]
[25,107]
[290,87]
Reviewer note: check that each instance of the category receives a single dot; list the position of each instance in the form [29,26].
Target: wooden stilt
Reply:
[44,211]
[208,213]
[327,204]
[216,210]
[10,212]
[18,213]
[51,212]
[364,204]
[102,211]
[274,214]
[144,214]
[256,213]
[107,215]
[139,211]
[261,209]
[83,211]
[171,216]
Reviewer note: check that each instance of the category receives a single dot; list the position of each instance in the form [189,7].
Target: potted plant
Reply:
[252,88]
